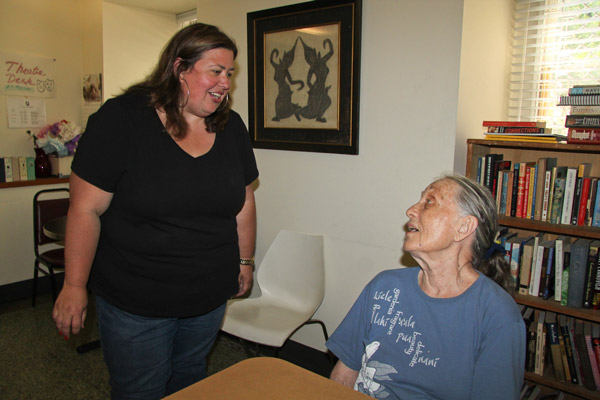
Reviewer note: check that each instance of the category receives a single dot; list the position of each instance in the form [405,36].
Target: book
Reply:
[517,129]
[577,272]
[491,160]
[30,168]
[525,269]
[16,169]
[504,192]
[584,359]
[558,191]
[583,171]
[531,194]
[566,271]
[591,273]
[547,286]
[563,351]
[543,164]
[559,244]
[568,195]
[580,100]
[522,187]
[596,283]
[535,267]
[583,200]
[570,364]
[498,167]
[540,344]
[8,170]
[514,252]
[578,90]
[596,342]
[538,124]
[515,189]
[2,172]
[525,137]
[22,168]
[583,136]
[531,342]
[584,110]
[509,192]
[576,357]
[591,201]
[596,212]
[555,352]
[582,121]
[546,199]
[498,192]
[587,333]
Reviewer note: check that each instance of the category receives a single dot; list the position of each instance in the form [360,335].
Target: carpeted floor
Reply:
[38,364]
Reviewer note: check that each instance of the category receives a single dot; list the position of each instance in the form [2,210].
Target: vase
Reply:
[42,164]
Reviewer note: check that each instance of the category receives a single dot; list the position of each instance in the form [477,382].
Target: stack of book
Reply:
[522,131]
[583,120]
[542,190]
[569,347]
[13,169]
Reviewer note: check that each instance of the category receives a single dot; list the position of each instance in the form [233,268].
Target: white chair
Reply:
[292,281]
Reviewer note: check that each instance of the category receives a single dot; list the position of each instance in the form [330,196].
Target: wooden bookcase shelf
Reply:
[35,182]
[570,155]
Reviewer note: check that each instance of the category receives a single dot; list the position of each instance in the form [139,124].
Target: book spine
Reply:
[532,124]
[515,190]
[596,218]
[577,272]
[516,129]
[565,278]
[585,110]
[576,200]
[546,200]
[570,364]
[582,121]
[583,135]
[558,268]
[585,192]
[590,276]
[580,100]
[569,193]
[581,90]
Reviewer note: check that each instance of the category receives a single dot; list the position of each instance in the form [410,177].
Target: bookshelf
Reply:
[569,155]
[35,182]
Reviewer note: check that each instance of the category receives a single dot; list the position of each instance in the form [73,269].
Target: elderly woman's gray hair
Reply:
[476,200]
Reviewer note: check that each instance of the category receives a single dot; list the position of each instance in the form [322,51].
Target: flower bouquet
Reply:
[60,138]
[54,147]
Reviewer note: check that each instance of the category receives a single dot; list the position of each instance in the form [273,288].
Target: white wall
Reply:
[408,103]
[483,69]
[62,29]
[132,40]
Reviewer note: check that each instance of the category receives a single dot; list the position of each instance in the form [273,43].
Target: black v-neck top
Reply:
[168,245]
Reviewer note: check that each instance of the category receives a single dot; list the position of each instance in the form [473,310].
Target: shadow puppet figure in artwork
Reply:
[284,107]
[318,99]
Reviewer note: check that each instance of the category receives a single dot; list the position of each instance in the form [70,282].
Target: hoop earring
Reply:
[188,94]
[222,106]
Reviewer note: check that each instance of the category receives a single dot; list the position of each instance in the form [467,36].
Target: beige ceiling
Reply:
[168,6]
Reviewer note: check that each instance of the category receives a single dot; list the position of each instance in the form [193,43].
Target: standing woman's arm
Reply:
[83,230]
[246,228]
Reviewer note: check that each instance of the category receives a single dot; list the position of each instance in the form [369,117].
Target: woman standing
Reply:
[162,218]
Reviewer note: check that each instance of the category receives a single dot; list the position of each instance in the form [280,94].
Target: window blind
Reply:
[555,45]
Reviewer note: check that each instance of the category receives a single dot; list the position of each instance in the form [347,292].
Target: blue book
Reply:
[478,175]
[535,171]
[549,284]
[596,212]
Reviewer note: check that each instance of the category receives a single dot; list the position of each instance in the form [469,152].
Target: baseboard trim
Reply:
[22,290]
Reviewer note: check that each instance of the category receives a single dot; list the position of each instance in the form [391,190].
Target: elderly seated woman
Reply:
[448,329]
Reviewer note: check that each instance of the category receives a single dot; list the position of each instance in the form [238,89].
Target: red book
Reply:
[526,192]
[525,124]
[583,199]
[583,135]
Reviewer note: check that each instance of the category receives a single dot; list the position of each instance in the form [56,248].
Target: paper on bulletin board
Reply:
[25,112]
[27,75]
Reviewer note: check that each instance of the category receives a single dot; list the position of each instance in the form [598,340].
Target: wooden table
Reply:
[267,378]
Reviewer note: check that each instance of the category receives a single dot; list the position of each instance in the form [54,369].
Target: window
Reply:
[187,18]
[555,45]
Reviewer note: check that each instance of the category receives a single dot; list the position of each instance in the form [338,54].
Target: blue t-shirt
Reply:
[407,345]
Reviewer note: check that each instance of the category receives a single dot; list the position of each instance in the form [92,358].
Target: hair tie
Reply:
[494,248]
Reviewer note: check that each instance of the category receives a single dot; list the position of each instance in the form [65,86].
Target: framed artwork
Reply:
[304,76]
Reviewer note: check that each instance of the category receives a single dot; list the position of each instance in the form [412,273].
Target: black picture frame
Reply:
[304,76]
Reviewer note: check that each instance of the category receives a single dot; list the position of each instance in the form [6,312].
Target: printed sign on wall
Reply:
[26,75]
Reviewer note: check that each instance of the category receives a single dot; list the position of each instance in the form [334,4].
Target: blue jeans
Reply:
[149,358]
